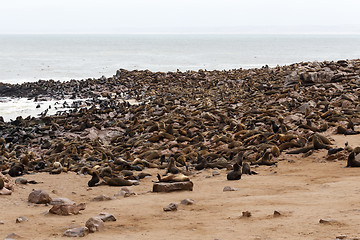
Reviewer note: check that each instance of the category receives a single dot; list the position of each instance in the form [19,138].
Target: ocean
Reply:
[25,58]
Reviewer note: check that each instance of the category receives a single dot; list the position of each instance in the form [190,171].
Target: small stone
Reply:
[327,221]
[12,236]
[59,201]
[229,189]
[2,223]
[77,232]
[125,192]
[277,213]
[21,181]
[246,214]
[102,197]
[187,201]
[215,173]
[171,207]
[95,224]
[66,209]
[343,236]
[175,186]
[107,217]
[21,219]
[39,197]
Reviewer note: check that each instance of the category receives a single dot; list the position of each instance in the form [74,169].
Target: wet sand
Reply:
[303,190]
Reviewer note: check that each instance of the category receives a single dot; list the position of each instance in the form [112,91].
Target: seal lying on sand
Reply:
[173,178]
[117,181]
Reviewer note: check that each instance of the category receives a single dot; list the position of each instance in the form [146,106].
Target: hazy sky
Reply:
[179,16]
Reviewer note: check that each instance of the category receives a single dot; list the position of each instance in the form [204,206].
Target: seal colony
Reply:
[183,121]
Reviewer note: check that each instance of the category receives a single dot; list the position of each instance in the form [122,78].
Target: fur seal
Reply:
[247,170]
[117,181]
[16,170]
[2,184]
[171,166]
[352,162]
[173,178]
[235,174]
[94,180]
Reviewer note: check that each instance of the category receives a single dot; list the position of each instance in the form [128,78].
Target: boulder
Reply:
[175,186]
[95,224]
[39,197]
[76,232]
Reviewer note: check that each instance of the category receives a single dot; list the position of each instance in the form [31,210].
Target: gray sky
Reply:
[179,16]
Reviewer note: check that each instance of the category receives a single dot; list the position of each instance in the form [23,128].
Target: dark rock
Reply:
[39,197]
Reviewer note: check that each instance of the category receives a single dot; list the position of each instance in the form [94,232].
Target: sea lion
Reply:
[57,168]
[2,184]
[173,178]
[171,166]
[235,174]
[247,170]
[16,170]
[265,159]
[342,130]
[94,180]
[117,181]
[352,162]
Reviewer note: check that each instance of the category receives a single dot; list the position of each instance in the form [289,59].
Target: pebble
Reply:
[95,224]
[125,192]
[64,201]
[76,232]
[171,207]
[187,201]
[327,221]
[341,236]
[229,189]
[215,173]
[101,198]
[107,217]
[21,219]
[277,213]
[246,214]
[12,236]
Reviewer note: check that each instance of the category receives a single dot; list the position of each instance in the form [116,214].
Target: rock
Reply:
[2,223]
[327,221]
[21,219]
[125,192]
[63,201]
[76,232]
[171,207]
[277,213]
[5,191]
[343,236]
[215,173]
[21,181]
[175,186]
[66,209]
[39,197]
[107,217]
[246,214]
[12,236]
[102,197]
[229,189]
[95,224]
[187,201]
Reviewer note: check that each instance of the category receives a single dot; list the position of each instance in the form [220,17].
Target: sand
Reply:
[303,190]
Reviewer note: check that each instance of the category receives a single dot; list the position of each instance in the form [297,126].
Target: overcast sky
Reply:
[179,16]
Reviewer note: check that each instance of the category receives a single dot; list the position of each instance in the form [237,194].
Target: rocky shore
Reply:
[183,122]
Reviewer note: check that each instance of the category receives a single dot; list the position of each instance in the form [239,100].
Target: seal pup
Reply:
[171,166]
[352,162]
[247,170]
[94,180]
[265,159]
[16,170]
[235,174]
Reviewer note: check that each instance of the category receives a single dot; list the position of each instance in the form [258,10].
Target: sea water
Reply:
[25,58]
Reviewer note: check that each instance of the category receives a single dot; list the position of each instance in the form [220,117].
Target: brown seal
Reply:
[235,174]
[117,181]
[352,162]
[174,178]
[94,180]
[2,184]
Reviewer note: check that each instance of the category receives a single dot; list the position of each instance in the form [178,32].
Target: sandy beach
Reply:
[302,190]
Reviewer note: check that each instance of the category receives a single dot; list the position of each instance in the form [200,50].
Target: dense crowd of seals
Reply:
[182,121]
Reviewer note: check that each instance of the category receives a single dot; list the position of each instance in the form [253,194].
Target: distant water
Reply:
[63,57]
